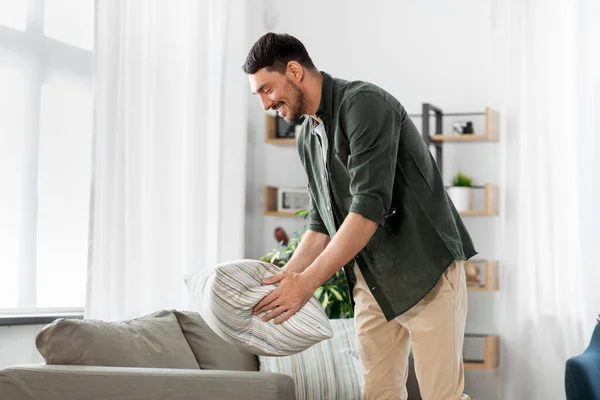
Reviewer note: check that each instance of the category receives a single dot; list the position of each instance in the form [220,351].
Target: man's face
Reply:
[278,92]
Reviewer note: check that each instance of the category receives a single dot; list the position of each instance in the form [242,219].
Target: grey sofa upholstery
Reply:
[167,355]
[71,382]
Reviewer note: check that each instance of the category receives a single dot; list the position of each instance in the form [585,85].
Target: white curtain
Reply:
[169,153]
[549,91]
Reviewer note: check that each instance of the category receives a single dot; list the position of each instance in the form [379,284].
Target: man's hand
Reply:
[291,295]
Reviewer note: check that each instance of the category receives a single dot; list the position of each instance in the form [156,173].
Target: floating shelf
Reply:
[490,135]
[490,206]
[482,275]
[271,132]
[481,352]
[462,138]
[281,141]
[280,213]
[270,203]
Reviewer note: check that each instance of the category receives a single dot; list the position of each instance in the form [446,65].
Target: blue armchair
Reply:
[582,375]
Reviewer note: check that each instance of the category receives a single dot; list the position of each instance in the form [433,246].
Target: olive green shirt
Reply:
[378,166]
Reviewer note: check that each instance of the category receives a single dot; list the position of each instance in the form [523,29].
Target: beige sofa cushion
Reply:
[210,350]
[152,341]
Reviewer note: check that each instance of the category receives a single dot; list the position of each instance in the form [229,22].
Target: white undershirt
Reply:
[320,130]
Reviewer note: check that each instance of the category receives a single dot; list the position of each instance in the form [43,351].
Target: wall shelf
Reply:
[482,275]
[271,132]
[490,203]
[281,141]
[481,352]
[462,138]
[434,133]
[280,213]
[270,203]
[490,134]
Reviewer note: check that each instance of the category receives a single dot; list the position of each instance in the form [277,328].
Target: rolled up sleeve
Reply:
[373,129]
[315,221]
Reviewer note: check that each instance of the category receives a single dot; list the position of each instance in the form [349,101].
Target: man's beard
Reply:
[296,110]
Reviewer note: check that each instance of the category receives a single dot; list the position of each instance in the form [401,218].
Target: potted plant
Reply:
[334,294]
[461,191]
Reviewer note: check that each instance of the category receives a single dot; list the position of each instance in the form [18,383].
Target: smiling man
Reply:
[379,210]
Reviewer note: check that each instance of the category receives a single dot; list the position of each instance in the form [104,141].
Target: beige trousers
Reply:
[434,327]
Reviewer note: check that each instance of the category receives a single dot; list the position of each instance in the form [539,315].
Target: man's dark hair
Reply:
[274,51]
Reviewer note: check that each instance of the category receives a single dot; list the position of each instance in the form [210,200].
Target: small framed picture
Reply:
[292,199]
[288,129]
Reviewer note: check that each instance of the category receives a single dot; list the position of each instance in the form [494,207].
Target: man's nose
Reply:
[267,103]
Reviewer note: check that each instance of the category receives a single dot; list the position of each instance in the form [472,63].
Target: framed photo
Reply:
[286,129]
[292,199]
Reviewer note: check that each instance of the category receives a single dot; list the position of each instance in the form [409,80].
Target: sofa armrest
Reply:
[66,382]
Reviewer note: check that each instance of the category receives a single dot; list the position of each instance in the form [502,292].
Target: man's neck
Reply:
[313,94]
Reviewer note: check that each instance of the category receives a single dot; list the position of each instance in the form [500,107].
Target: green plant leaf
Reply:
[301,213]
[336,293]
[319,292]
[462,180]
[325,300]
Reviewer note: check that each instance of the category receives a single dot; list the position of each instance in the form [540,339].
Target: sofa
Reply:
[169,354]
[582,372]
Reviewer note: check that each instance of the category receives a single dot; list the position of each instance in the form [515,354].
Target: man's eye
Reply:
[267,91]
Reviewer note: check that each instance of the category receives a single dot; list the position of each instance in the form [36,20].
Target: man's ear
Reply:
[294,71]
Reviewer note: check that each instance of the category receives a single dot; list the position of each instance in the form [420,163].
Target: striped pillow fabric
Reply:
[225,297]
[329,370]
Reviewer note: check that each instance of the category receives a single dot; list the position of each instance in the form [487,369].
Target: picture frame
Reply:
[292,199]
[285,130]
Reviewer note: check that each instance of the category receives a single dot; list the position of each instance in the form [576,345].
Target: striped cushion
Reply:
[225,297]
[329,370]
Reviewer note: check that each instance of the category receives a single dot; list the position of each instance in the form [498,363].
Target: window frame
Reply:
[47,57]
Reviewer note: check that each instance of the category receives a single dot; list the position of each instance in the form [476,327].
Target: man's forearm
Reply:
[311,246]
[352,237]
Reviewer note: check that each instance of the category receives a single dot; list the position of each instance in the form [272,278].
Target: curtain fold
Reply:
[548,88]
[169,149]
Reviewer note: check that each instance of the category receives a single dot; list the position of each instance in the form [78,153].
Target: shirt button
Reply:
[328,208]
[323,176]
[373,288]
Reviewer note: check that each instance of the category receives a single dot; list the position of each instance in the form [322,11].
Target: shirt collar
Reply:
[325,109]
[318,129]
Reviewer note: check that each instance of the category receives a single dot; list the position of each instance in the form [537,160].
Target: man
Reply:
[376,192]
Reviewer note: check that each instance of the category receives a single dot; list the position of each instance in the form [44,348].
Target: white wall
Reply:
[17,345]
[432,51]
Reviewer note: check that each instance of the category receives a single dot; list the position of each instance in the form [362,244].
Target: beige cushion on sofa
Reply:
[225,296]
[152,341]
[210,350]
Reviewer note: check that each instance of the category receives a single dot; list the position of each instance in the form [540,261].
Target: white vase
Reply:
[462,197]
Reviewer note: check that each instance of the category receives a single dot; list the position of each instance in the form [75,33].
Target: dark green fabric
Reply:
[378,166]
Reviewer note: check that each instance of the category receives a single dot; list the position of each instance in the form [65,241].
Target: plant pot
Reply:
[461,196]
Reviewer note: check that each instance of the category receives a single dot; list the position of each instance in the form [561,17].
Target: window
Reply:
[13,14]
[45,153]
